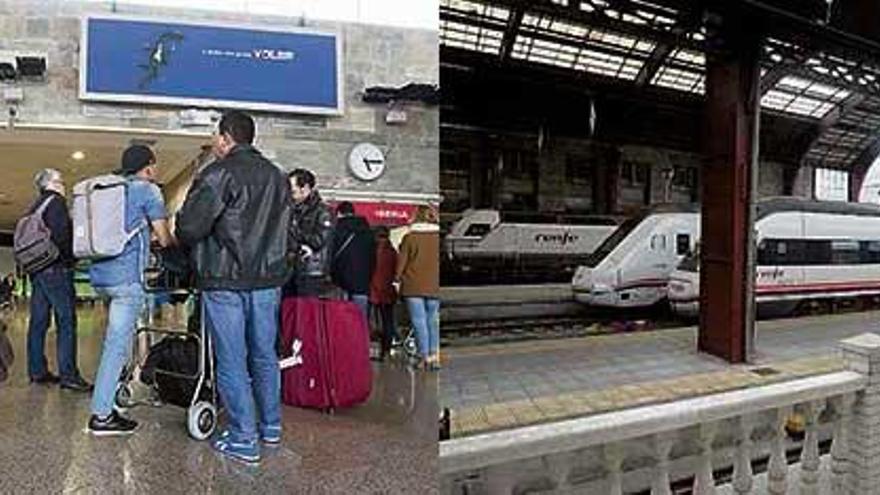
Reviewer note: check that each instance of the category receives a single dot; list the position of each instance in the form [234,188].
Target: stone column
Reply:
[862,354]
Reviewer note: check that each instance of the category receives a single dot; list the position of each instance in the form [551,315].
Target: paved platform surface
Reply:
[388,445]
[494,387]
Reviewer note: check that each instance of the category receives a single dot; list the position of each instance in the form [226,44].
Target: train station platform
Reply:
[502,386]
[388,445]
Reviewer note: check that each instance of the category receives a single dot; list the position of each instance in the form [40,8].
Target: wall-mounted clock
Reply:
[366,162]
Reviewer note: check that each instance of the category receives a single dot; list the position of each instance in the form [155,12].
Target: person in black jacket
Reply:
[235,220]
[6,288]
[53,291]
[310,231]
[354,255]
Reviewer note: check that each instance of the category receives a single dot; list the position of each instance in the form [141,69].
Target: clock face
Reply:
[366,162]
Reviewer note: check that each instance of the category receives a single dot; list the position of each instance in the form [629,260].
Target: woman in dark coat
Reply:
[383,295]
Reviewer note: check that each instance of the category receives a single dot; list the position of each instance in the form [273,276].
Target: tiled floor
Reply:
[387,446]
[500,386]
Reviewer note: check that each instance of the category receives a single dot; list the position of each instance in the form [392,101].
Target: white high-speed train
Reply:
[807,251]
[631,267]
[484,241]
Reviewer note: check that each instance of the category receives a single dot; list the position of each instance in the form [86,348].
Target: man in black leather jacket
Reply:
[235,219]
[311,228]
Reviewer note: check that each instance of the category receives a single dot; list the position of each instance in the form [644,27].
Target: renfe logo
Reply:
[561,239]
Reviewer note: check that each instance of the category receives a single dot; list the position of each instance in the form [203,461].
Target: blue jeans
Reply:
[362,301]
[244,326]
[424,312]
[53,290]
[126,304]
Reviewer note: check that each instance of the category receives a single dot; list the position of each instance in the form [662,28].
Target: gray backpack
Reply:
[32,244]
[99,218]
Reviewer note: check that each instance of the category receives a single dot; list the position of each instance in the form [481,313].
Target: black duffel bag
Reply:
[179,355]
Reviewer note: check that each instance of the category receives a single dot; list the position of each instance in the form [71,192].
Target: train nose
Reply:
[582,280]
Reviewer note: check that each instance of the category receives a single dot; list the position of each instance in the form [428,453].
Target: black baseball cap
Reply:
[135,158]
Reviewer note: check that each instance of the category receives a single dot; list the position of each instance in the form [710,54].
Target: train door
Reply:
[782,254]
[647,271]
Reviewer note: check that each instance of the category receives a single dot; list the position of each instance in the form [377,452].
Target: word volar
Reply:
[562,239]
[273,54]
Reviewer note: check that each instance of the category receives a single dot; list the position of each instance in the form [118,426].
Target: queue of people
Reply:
[256,235]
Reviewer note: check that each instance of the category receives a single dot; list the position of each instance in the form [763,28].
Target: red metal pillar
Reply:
[732,112]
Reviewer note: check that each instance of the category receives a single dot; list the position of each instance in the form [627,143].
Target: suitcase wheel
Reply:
[201,420]
[122,399]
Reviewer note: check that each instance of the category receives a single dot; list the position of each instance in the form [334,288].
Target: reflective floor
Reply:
[388,445]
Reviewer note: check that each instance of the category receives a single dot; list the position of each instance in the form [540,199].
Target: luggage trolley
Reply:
[201,404]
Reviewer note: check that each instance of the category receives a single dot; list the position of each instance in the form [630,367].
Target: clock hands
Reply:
[368,163]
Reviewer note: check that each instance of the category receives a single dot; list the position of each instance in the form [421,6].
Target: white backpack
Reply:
[99,217]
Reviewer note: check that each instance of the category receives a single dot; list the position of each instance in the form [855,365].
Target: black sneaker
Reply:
[115,424]
[47,379]
[77,385]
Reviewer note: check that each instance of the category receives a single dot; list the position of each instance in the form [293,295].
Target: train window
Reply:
[816,252]
[477,230]
[765,256]
[658,242]
[682,244]
[869,251]
[844,252]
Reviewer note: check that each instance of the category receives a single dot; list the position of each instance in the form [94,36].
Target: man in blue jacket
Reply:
[121,279]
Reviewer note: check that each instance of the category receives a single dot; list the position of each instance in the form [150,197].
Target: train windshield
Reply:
[613,240]
[691,261]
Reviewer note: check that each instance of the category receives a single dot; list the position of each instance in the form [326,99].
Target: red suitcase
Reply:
[326,351]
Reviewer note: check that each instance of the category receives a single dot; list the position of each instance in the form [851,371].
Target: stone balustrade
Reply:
[712,444]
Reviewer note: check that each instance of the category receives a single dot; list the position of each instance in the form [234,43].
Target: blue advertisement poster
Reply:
[188,64]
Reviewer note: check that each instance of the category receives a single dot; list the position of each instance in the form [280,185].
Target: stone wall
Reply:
[373,55]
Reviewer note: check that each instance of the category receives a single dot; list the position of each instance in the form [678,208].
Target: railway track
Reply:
[467,333]
[605,322]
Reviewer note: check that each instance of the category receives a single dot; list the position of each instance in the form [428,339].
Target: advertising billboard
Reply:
[218,66]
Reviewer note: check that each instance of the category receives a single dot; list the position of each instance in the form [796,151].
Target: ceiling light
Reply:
[78,155]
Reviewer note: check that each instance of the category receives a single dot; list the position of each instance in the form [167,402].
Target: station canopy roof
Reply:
[662,44]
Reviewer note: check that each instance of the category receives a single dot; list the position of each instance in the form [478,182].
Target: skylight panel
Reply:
[477,9]
[470,37]
[680,79]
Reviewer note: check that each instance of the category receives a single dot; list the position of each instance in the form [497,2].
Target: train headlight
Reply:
[600,289]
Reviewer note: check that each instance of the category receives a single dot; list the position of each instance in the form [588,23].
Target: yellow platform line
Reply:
[504,415]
